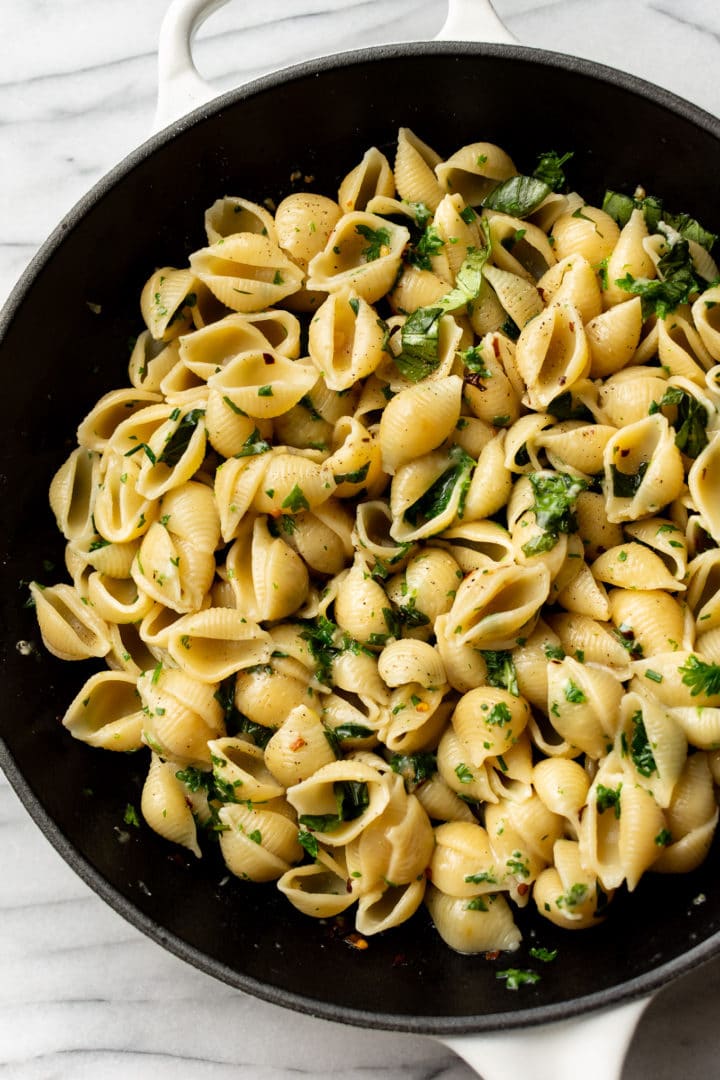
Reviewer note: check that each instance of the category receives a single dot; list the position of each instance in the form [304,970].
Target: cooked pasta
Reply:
[402,546]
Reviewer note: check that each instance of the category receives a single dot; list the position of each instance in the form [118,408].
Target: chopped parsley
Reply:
[675,285]
[179,441]
[501,670]
[428,245]
[625,485]
[499,715]
[464,774]
[702,678]
[130,817]
[554,508]
[295,501]
[416,768]
[378,239]
[545,955]
[640,749]
[608,798]
[253,445]
[620,207]
[573,693]
[309,842]
[550,168]
[435,500]
[691,421]
[351,800]
[517,977]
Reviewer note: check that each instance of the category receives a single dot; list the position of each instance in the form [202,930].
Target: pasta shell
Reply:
[70,629]
[552,354]
[474,171]
[587,231]
[107,712]
[246,272]
[230,215]
[414,174]
[315,800]
[633,566]
[362,253]
[417,420]
[164,806]
[469,927]
[321,889]
[643,470]
[372,177]
[492,608]
[613,337]
[257,845]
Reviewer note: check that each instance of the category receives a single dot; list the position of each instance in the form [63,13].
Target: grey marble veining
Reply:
[82,993]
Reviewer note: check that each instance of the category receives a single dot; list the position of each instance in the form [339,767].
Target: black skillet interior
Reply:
[59,357]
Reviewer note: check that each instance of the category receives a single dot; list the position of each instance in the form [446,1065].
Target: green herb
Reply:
[179,441]
[473,361]
[377,240]
[351,800]
[296,500]
[501,670]
[566,407]
[468,215]
[464,774]
[484,877]
[626,637]
[550,169]
[260,734]
[575,895]
[309,842]
[554,508]
[420,212]
[607,798]
[437,497]
[625,485]
[253,445]
[322,638]
[654,676]
[420,332]
[354,303]
[691,422]
[409,615]
[517,977]
[573,693]
[265,391]
[640,750]
[478,903]
[499,715]
[352,731]
[516,865]
[356,477]
[306,402]
[148,452]
[702,678]
[554,652]
[620,207]
[539,953]
[194,779]
[519,196]
[663,838]
[675,285]
[130,817]
[428,245]
[416,768]
[420,356]
[255,836]
[96,545]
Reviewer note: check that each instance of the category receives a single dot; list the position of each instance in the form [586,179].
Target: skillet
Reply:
[251,141]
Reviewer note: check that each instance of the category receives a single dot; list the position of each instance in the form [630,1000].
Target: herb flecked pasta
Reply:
[402,547]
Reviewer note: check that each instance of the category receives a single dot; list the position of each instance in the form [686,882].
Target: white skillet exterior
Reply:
[553,1049]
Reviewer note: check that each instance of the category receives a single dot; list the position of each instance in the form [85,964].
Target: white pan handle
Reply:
[592,1046]
[181,88]
[474,20]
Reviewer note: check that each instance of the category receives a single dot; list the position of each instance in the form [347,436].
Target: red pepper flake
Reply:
[299,742]
[494,954]
[356,942]
[496,347]
[522,889]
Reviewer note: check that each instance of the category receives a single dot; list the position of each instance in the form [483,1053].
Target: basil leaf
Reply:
[179,441]
[550,168]
[419,356]
[437,497]
[518,196]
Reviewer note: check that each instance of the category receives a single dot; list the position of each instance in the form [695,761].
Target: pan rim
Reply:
[650,981]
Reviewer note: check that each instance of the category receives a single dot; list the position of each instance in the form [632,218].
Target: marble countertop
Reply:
[82,993]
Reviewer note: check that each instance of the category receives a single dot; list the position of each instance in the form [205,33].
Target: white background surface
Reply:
[83,994]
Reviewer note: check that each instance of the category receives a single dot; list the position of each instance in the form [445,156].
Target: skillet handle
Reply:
[592,1046]
[181,88]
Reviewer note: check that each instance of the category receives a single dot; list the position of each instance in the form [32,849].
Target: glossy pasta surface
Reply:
[402,546]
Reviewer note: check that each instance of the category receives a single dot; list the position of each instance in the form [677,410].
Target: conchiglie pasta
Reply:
[398,549]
